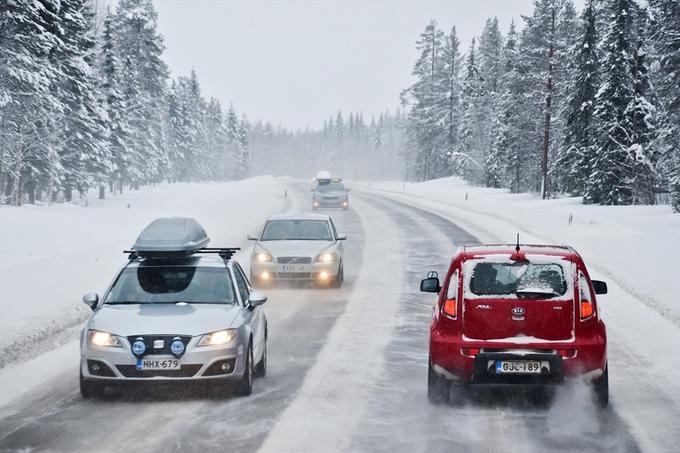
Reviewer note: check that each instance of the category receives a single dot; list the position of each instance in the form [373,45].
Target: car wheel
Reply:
[437,387]
[601,388]
[244,387]
[337,281]
[261,367]
[89,389]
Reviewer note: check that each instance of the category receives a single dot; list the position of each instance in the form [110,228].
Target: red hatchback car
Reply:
[516,315]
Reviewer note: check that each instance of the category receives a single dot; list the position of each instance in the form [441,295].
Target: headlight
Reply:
[217,338]
[326,258]
[99,338]
[263,257]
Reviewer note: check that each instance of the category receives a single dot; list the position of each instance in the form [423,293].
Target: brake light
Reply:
[469,352]
[450,308]
[586,309]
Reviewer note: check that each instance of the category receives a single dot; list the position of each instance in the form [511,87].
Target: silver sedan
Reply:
[303,247]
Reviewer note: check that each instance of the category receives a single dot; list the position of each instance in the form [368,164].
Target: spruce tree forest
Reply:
[566,103]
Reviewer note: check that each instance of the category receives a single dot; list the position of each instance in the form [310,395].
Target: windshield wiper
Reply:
[536,292]
[124,302]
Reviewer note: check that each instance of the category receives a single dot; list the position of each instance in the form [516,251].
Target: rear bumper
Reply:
[586,359]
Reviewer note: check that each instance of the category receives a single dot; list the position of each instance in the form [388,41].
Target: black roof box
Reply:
[171,236]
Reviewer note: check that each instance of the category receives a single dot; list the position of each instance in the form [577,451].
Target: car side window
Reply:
[452,291]
[242,284]
[335,232]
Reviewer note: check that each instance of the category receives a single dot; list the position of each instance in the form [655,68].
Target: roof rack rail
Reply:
[224,252]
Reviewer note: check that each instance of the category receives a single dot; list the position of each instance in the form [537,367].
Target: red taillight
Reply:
[586,309]
[469,352]
[450,308]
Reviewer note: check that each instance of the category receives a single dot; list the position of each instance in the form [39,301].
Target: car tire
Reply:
[437,387]
[244,387]
[601,388]
[89,389]
[261,367]
[340,278]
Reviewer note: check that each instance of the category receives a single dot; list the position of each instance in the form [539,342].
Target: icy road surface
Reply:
[347,372]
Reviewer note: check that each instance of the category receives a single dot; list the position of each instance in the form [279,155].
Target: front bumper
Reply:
[330,203]
[206,363]
[305,272]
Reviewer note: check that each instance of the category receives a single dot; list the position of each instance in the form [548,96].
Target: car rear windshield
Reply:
[331,187]
[172,284]
[522,278]
[296,230]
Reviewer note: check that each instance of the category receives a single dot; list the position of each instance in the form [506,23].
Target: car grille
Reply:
[167,340]
[294,260]
[294,275]
[131,371]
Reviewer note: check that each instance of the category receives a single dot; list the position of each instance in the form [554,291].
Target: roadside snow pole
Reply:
[571,218]
[466,196]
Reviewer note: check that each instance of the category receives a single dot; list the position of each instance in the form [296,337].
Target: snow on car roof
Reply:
[303,216]
[171,235]
[486,249]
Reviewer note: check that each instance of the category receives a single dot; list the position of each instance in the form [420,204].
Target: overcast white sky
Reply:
[295,62]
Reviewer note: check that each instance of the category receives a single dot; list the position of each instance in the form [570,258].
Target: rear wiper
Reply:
[535,292]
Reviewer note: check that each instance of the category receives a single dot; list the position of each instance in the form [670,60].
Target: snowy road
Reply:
[347,373]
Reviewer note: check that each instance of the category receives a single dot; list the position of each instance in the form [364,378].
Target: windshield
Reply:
[296,230]
[331,187]
[523,279]
[172,284]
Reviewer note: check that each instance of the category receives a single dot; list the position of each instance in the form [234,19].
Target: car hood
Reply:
[164,319]
[295,248]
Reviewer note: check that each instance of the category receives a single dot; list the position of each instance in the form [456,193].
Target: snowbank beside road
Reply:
[635,246]
[51,255]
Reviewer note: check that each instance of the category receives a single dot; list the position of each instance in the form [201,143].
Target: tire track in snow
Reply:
[333,395]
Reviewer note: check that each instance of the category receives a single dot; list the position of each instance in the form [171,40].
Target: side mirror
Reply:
[430,285]
[91,300]
[252,237]
[348,190]
[600,287]
[256,298]
[342,237]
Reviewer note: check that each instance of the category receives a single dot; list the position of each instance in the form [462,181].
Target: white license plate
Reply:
[293,268]
[518,367]
[158,364]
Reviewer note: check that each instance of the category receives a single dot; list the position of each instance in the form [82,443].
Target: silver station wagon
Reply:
[176,311]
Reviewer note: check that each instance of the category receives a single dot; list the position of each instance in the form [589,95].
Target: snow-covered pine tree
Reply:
[145,74]
[82,150]
[244,147]
[474,137]
[27,103]
[113,104]
[506,147]
[577,151]
[665,37]
[490,68]
[612,167]
[452,63]
[545,63]
[425,99]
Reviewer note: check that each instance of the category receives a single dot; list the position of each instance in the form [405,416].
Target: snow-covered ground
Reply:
[52,255]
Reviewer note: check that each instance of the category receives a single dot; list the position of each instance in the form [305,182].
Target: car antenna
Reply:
[517,246]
